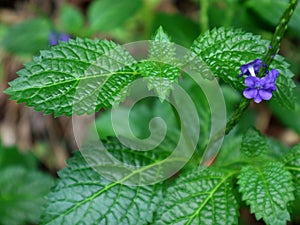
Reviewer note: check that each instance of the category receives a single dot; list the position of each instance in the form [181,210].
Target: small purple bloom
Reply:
[54,37]
[261,88]
[251,68]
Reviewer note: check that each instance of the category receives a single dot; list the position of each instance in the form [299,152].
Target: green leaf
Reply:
[199,197]
[27,37]
[271,11]
[185,31]
[292,120]
[78,77]
[22,192]
[268,189]
[225,50]
[254,143]
[83,196]
[11,156]
[71,20]
[277,150]
[105,16]
[160,70]
[292,161]
[200,101]
[140,116]
[22,187]
[159,76]
[230,152]
[161,47]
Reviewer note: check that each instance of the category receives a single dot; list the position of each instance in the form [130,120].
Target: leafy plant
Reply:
[22,187]
[113,183]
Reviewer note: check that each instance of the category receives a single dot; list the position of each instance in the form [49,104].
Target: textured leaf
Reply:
[225,50]
[22,192]
[83,196]
[76,77]
[199,197]
[27,37]
[267,189]
[160,70]
[161,47]
[159,76]
[253,143]
[292,161]
[271,10]
[105,16]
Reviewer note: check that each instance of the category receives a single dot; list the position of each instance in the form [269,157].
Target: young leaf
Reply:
[160,70]
[254,143]
[159,76]
[267,189]
[292,161]
[83,196]
[225,50]
[22,192]
[199,197]
[161,48]
[76,77]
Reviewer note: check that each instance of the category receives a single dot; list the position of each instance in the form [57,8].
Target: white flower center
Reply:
[251,70]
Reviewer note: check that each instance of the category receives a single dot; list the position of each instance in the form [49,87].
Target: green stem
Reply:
[204,4]
[235,118]
[274,47]
[278,35]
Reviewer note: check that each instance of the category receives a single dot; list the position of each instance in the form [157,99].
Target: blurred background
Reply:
[34,146]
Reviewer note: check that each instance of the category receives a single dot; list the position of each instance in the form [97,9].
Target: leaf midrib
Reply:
[210,196]
[98,193]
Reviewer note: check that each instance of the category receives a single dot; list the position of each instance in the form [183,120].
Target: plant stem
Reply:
[273,49]
[204,4]
[278,35]
[244,103]
[235,118]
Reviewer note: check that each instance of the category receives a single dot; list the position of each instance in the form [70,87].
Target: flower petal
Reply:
[257,99]
[250,93]
[273,74]
[255,65]
[251,81]
[265,94]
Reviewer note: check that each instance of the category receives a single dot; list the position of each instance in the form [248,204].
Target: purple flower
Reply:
[261,88]
[251,68]
[54,37]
